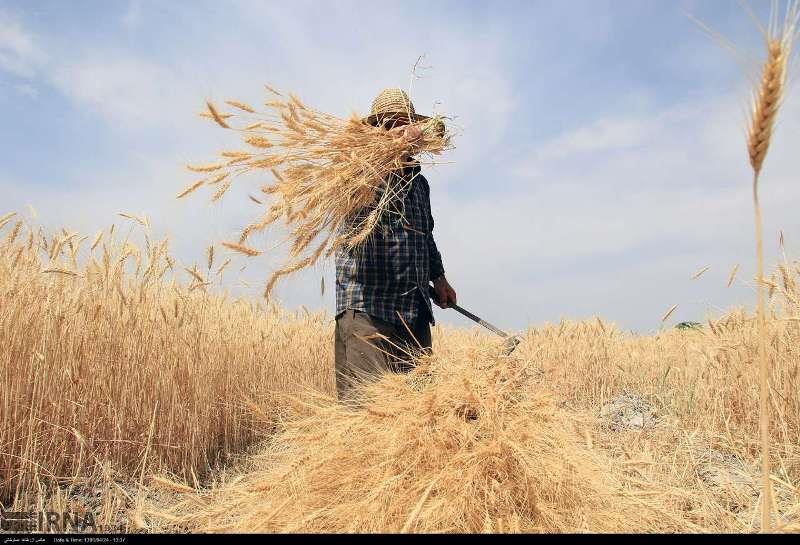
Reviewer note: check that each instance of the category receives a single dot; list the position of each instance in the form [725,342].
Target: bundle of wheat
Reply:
[324,171]
[465,443]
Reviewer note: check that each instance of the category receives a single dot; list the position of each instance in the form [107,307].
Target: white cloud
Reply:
[161,100]
[609,223]
[19,54]
[610,218]
[135,92]
[616,134]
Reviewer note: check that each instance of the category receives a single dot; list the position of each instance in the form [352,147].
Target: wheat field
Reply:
[138,389]
[120,367]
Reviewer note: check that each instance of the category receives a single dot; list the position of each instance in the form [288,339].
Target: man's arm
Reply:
[437,267]
[444,293]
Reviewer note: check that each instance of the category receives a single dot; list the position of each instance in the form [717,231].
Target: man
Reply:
[383,303]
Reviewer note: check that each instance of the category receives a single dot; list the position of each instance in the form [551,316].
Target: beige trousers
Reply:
[366,347]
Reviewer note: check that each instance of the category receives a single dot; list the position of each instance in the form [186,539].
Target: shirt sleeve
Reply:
[435,258]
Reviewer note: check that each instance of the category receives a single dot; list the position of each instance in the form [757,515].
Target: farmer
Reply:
[383,304]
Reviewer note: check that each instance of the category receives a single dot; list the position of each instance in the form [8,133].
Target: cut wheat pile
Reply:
[328,174]
[461,445]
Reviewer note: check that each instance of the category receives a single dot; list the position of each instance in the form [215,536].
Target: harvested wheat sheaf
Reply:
[324,170]
[468,445]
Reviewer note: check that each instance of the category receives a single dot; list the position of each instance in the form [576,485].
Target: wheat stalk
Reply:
[216,116]
[732,274]
[669,313]
[210,256]
[208,115]
[241,248]
[6,218]
[221,191]
[141,221]
[222,267]
[60,270]
[699,273]
[240,105]
[196,275]
[766,102]
[205,168]
[97,238]
[12,236]
[190,188]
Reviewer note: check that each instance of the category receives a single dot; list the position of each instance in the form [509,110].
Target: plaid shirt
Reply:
[390,272]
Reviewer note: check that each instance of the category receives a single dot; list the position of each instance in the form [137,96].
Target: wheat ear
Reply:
[766,102]
[241,248]
[216,115]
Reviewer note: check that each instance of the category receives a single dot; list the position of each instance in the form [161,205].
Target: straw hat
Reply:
[393,103]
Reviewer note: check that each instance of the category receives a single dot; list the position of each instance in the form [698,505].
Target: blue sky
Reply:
[599,161]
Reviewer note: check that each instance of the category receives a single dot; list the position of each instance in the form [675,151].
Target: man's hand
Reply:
[444,292]
[411,134]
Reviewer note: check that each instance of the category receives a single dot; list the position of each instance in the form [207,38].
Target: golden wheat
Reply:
[241,248]
[732,275]
[326,171]
[669,313]
[766,102]
[102,349]
[205,168]
[190,188]
[699,273]
[240,105]
[468,441]
[6,218]
[216,116]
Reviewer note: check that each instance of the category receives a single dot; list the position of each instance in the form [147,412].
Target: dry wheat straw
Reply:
[669,313]
[329,175]
[60,270]
[6,218]
[221,191]
[240,105]
[699,273]
[95,353]
[205,168]
[779,37]
[223,266]
[216,116]
[140,220]
[190,188]
[241,248]
[501,454]
[732,274]
[767,99]
[210,256]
